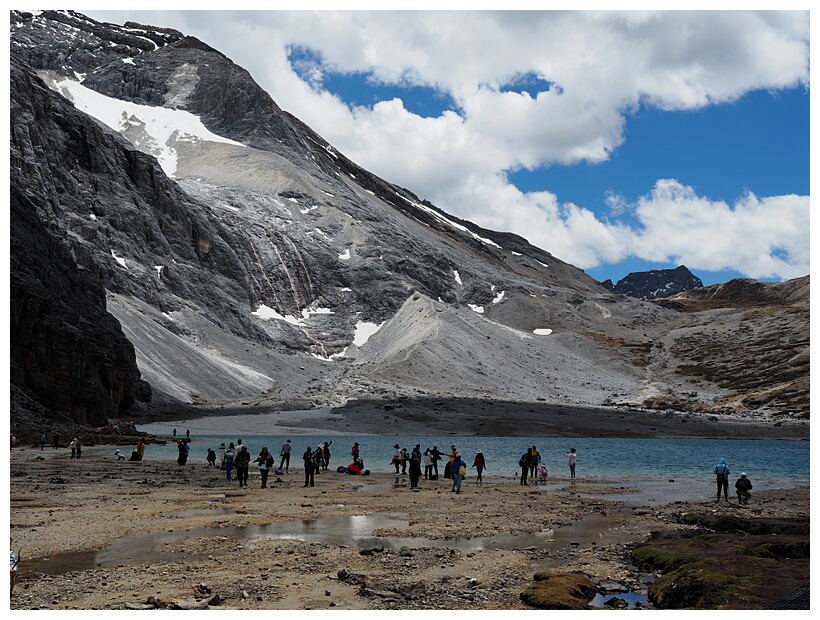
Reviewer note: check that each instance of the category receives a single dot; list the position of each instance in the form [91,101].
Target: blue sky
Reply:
[615,141]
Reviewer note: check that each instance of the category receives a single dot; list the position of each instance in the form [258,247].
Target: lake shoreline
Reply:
[484,417]
[185,518]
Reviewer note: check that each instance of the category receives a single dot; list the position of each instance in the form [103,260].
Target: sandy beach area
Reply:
[94,533]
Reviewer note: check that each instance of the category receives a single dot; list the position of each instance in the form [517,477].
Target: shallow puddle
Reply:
[354,531]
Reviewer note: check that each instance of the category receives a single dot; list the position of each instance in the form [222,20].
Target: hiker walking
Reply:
[479,465]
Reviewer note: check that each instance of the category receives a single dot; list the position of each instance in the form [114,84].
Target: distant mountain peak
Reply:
[655,284]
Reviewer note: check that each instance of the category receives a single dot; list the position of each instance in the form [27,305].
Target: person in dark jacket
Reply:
[436,456]
[743,486]
[242,462]
[265,460]
[722,473]
[479,465]
[310,469]
[183,455]
[415,469]
[524,463]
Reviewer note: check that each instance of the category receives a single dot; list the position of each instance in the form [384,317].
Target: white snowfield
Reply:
[151,129]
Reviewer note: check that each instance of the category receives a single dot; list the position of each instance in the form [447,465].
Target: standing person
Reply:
[183,456]
[222,455]
[448,468]
[428,465]
[318,458]
[743,486]
[536,458]
[722,473]
[73,446]
[265,460]
[435,455]
[229,455]
[188,434]
[571,457]
[415,469]
[211,458]
[285,454]
[396,458]
[141,449]
[354,451]
[243,460]
[174,434]
[42,441]
[404,458]
[307,457]
[326,452]
[56,441]
[524,464]
[458,469]
[79,447]
[479,465]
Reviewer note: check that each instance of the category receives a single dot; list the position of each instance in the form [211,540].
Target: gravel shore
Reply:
[98,534]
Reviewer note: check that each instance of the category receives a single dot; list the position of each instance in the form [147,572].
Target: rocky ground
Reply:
[99,534]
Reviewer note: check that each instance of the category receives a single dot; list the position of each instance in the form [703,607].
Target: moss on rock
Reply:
[559,591]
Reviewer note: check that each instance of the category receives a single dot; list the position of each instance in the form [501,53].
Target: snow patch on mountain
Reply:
[153,130]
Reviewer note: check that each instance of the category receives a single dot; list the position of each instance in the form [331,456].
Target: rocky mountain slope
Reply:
[249,263]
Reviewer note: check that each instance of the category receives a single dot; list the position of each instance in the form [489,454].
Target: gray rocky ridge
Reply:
[251,274]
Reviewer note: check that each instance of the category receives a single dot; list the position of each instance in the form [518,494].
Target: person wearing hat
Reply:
[479,465]
[396,458]
[119,455]
[743,486]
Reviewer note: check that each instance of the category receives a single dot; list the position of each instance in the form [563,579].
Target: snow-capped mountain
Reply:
[249,261]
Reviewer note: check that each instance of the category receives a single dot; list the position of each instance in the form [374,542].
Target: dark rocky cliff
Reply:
[656,283]
[66,350]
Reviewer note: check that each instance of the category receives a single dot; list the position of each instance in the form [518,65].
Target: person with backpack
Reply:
[722,473]
[458,469]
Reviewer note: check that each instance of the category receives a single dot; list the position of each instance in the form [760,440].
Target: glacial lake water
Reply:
[665,469]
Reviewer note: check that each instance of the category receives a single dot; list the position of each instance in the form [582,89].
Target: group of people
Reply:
[743,485]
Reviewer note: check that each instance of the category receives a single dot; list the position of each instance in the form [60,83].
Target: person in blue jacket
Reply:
[722,473]
[455,468]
